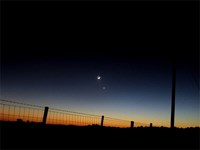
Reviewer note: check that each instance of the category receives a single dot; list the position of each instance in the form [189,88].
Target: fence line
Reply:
[13,111]
[72,118]
[114,122]
[20,103]
[73,112]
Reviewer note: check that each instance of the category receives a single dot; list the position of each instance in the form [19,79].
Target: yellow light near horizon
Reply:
[12,113]
[71,119]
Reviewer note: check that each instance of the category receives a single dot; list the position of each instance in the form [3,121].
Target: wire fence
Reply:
[114,122]
[64,117]
[15,111]
[11,111]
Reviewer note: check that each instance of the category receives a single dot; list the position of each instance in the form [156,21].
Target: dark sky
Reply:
[52,53]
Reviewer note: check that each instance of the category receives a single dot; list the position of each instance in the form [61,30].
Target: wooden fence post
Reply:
[132,124]
[45,115]
[102,119]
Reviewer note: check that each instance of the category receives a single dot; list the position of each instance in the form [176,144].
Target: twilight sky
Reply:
[52,54]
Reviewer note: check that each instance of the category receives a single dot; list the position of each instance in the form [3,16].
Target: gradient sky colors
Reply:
[51,56]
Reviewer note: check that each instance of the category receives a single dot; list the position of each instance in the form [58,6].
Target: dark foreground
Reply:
[37,136]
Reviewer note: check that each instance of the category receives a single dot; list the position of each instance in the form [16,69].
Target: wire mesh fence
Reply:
[64,117]
[15,111]
[114,122]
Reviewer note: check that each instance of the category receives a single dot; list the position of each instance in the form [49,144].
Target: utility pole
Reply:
[173,92]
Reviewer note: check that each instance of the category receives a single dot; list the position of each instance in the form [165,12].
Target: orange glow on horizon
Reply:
[12,113]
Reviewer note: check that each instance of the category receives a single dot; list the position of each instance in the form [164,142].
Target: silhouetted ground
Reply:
[37,136]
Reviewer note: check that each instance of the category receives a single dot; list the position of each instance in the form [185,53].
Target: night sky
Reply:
[52,53]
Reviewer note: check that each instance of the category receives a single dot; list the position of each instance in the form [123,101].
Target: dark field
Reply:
[37,136]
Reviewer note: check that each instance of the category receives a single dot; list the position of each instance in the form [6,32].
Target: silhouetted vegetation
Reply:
[22,135]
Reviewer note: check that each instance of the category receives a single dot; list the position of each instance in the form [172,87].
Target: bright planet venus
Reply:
[98,77]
